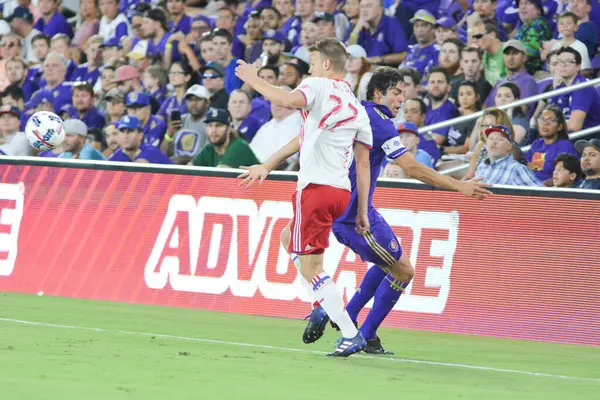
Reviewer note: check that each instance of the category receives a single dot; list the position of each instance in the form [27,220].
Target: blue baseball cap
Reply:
[408,127]
[213,65]
[446,22]
[204,19]
[129,122]
[21,12]
[38,98]
[113,42]
[272,34]
[217,115]
[137,100]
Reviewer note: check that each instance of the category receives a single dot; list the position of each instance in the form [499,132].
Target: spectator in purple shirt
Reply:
[553,141]
[55,69]
[181,77]
[423,55]
[52,22]
[138,105]
[380,35]
[581,107]
[440,108]
[269,18]
[178,20]
[132,149]
[514,60]
[305,12]
[415,111]
[90,71]
[286,10]
[16,72]
[61,44]
[156,28]
[83,101]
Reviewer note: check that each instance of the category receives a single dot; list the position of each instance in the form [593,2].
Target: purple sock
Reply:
[365,292]
[386,296]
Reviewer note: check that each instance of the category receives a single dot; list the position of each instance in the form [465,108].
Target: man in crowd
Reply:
[326,24]
[423,55]
[12,142]
[273,44]
[485,36]
[470,65]
[90,71]
[83,101]
[590,163]
[339,20]
[74,145]
[115,105]
[21,22]
[415,111]
[213,79]
[222,41]
[52,21]
[133,149]
[61,44]
[54,71]
[440,108]
[153,128]
[410,138]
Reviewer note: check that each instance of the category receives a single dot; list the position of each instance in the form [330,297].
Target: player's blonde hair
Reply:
[333,50]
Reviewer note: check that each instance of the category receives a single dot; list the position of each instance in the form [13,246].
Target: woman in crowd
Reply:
[554,139]
[181,77]
[508,93]
[88,24]
[358,71]
[154,80]
[459,134]
[239,106]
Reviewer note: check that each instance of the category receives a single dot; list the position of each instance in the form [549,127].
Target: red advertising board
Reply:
[524,267]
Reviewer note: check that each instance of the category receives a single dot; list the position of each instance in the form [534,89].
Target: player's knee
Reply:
[402,269]
[409,271]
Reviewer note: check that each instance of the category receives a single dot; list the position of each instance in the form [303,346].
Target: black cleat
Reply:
[374,347]
[317,323]
[337,328]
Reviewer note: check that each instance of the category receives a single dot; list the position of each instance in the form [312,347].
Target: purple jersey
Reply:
[154,131]
[422,58]
[389,38]
[94,119]
[542,156]
[62,95]
[149,153]
[57,24]
[249,127]
[184,25]
[586,100]
[443,113]
[81,74]
[171,104]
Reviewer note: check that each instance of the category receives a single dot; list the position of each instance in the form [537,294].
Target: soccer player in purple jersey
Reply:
[393,271]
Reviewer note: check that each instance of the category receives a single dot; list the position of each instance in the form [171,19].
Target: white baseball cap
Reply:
[356,51]
[198,91]
[76,127]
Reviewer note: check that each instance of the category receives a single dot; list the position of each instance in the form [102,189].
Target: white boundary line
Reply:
[288,349]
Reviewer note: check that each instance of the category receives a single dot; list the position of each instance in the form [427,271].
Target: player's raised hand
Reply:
[362,223]
[245,71]
[252,174]
[474,188]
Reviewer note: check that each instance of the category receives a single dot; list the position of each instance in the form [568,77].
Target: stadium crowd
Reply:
[155,82]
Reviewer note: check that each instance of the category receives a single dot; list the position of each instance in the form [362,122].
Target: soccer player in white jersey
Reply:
[335,126]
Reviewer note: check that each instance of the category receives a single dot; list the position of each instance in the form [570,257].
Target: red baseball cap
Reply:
[125,73]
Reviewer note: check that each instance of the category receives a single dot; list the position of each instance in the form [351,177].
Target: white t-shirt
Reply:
[581,49]
[17,145]
[333,120]
[108,30]
[274,135]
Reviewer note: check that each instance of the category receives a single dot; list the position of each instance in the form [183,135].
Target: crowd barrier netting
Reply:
[523,264]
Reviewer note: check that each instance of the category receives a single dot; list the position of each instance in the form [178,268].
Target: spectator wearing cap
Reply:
[143,56]
[154,81]
[111,136]
[67,111]
[136,33]
[445,28]
[226,21]
[127,78]
[415,111]
[111,50]
[514,61]
[273,46]
[138,105]
[16,73]
[587,31]
[178,20]
[181,78]
[500,168]
[213,79]
[423,55]
[222,42]
[12,142]
[55,69]
[115,105]
[104,85]
[224,148]
[581,107]
[276,133]
[305,12]
[339,23]
[90,71]
[590,163]
[554,140]
[239,107]
[440,108]
[470,66]
[74,146]
[380,35]
[325,24]
[485,37]
[21,22]
[113,24]
[185,138]
[83,101]
[358,71]
[132,144]
[290,74]
[533,31]
[88,24]
[410,138]
[567,171]
[52,22]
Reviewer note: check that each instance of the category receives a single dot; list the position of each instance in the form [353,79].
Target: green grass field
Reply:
[142,352]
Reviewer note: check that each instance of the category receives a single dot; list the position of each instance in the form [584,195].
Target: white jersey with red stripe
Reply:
[333,120]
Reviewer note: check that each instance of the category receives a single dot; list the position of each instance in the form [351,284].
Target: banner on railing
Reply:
[512,266]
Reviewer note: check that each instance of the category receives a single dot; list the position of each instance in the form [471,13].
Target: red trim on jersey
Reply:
[364,144]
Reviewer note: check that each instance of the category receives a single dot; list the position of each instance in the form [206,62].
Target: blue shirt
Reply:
[389,38]
[87,152]
[81,74]
[249,127]
[147,152]
[57,24]
[428,145]
[172,104]
[424,158]
[542,156]
[94,119]
[586,100]
[443,113]
[422,58]
[386,144]
[184,25]
[506,171]
[261,109]
[593,184]
[232,82]
[154,131]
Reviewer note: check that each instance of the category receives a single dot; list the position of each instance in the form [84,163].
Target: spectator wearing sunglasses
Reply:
[213,79]
[485,36]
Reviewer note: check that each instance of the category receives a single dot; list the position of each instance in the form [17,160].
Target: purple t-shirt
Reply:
[170,104]
[154,131]
[542,156]
[422,58]
[94,119]
[586,100]
[62,95]
[149,153]
[57,24]
[249,127]
[389,38]
[81,74]
[184,25]
[525,82]
[443,113]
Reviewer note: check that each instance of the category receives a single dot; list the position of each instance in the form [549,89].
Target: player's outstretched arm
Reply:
[260,171]
[416,170]
[281,97]
[363,185]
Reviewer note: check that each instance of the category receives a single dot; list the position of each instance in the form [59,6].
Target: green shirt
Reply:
[238,153]
[493,66]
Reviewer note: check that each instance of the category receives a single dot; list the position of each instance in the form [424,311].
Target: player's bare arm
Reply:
[363,184]
[416,170]
[260,171]
[249,74]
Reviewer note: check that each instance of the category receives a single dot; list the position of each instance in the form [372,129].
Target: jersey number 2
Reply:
[336,109]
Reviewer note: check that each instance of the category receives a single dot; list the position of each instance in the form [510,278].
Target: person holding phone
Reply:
[181,77]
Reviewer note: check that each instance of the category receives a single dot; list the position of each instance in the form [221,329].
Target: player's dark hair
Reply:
[473,86]
[218,32]
[270,67]
[563,133]
[440,70]
[471,49]
[516,92]
[188,70]
[571,50]
[383,79]
[13,91]
[422,105]
[41,36]
[570,162]
[333,50]
[413,73]
[568,14]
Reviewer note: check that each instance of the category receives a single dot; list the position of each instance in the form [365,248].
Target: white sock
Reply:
[331,300]
[307,286]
